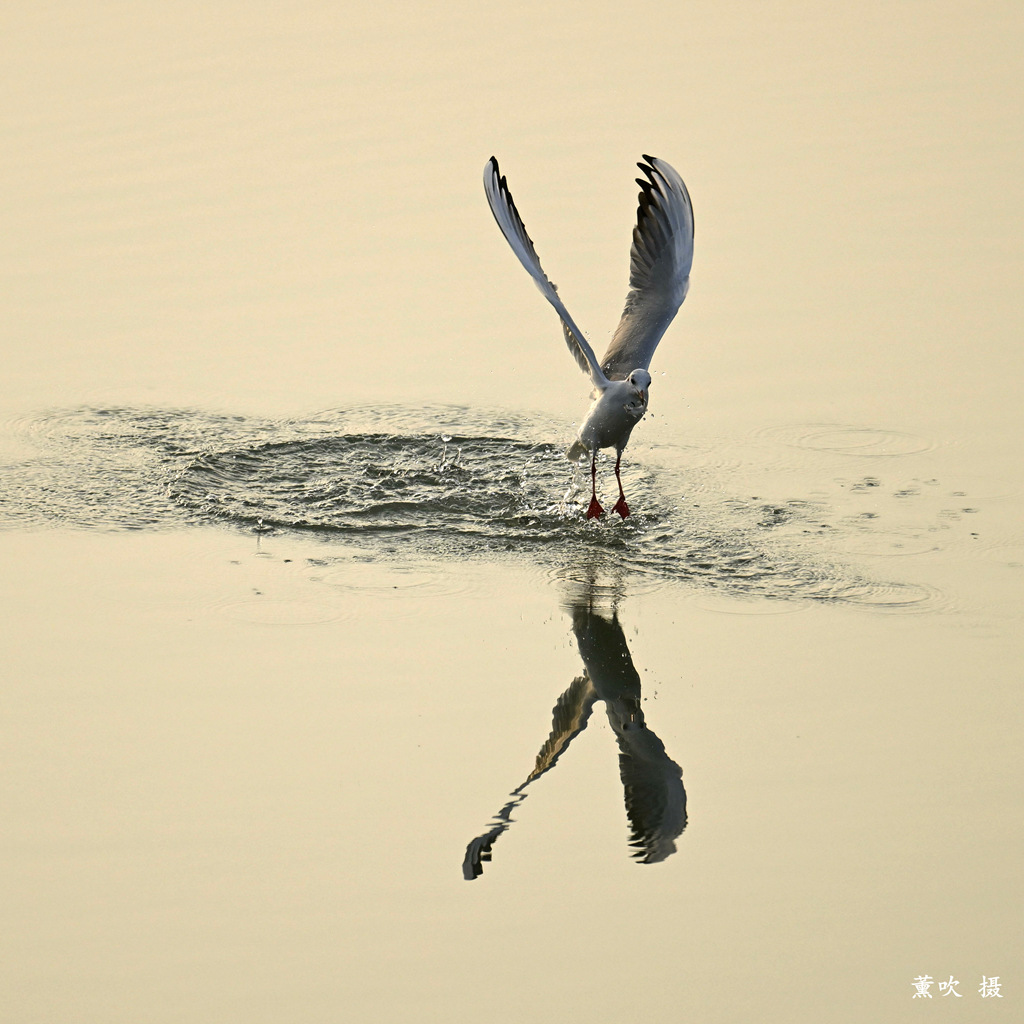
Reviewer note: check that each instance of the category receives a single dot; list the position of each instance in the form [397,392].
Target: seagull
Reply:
[659,277]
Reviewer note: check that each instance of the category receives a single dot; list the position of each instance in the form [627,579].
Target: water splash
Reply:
[436,483]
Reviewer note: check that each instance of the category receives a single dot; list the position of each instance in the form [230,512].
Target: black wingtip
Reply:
[499,178]
[652,172]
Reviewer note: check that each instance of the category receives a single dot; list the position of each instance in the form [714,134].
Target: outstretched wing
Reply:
[659,268]
[505,213]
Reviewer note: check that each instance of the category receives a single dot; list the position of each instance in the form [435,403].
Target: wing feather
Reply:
[512,227]
[659,268]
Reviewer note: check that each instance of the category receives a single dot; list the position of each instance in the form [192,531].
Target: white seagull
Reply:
[659,276]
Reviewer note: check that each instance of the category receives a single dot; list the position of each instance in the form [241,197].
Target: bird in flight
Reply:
[659,276]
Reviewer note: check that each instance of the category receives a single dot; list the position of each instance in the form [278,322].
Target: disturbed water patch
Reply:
[493,487]
[440,483]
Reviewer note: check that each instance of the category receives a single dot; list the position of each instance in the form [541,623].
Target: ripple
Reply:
[1011,555]
[376,577]
[604,580]
[880,596]
[847,440]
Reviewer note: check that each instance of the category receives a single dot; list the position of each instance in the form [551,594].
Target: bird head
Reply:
[641,381]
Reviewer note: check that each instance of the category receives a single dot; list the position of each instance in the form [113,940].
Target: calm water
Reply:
[322,700]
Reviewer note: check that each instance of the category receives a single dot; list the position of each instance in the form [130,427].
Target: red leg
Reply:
[620,506]
[594,510]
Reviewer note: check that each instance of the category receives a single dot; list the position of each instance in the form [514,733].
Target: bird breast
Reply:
[612,417]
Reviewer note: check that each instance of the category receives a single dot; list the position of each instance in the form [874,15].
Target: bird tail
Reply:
[576,451]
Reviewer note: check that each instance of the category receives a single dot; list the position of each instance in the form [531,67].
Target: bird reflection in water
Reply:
[652,782]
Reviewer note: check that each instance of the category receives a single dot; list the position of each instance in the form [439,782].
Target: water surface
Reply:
[278,681]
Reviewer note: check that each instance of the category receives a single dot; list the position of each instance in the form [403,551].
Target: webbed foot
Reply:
[594,510]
